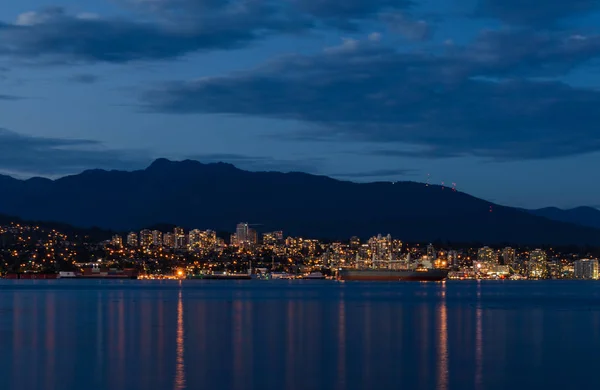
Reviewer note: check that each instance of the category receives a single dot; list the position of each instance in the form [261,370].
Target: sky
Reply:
[499,97]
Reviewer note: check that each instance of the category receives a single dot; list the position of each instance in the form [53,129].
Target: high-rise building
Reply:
[117,241]
[209,239]
[157,238]
[245,235]
[241,233]
[509,256]
[272,238]
[132,239]
[487,255]
[252,237]
[453,258]
[431,254]
[195,238]
[146,238]
[586,269]
[169,240]
[536,266]
[180,238]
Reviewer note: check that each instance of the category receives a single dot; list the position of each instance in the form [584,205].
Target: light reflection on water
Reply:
[291,335]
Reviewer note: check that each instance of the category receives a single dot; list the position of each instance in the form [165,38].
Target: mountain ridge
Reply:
[219,195]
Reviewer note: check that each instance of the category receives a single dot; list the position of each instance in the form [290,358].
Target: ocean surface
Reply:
[92,335]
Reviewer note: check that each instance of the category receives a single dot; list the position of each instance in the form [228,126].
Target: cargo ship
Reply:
[394,270]
[98,272]
[221,276]
[389,275]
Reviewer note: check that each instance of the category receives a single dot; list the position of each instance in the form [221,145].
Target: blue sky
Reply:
[498,96]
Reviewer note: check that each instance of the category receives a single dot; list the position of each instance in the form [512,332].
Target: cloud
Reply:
[377,173]
[27,155]
[175,28]
[475,100]
[53,35]
[84,78]
[10,97]
[416,30]
[536,12]
[261,163]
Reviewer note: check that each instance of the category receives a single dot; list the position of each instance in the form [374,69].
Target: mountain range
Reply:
[218,196]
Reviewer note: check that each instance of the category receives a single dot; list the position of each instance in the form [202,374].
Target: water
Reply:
[72,335]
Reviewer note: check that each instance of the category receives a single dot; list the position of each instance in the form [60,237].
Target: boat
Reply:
[394,270]
[221,276]
[418,274]
[315,275]
[281,275]
[98,272]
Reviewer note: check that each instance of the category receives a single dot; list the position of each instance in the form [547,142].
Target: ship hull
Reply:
[434,275]
[221,277]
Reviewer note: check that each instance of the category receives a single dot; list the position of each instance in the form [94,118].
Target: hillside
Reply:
[217,196]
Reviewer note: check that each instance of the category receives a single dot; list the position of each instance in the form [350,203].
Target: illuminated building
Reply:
[241,233]
[487,255]
[169,240]
[195,238]
[146,238]
[430,252]
[157,238]
[245,235]
[453,258]
[272,238]
[132,239]
[117,241]
[536,268]
[586,269]
[180,238]
[509,256]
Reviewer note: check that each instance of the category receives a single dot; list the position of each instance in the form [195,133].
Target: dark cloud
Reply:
[10,97]
[378,173]
[261,163]
[84,78]
[28,155]
[53,35]
[536,12]
[466,101]
[400,23]
[176,28]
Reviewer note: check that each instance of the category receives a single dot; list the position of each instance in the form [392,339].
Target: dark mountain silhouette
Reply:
[217,196]
[584,216]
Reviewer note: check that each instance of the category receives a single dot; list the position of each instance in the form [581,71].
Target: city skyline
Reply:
[496,96]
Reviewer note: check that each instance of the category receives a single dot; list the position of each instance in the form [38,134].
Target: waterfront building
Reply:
[132,239]
[536,267]
[586,269]
[487,255]
[453,258]
[509,256]
[430,252]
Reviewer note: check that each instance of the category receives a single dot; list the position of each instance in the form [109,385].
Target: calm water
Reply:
[114,335]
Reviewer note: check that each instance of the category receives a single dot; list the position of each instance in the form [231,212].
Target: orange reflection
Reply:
[180,362]
[443,347]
